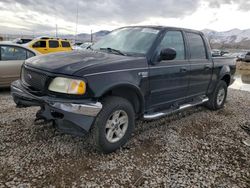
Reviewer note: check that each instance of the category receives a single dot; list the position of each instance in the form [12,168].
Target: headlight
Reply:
[68,86]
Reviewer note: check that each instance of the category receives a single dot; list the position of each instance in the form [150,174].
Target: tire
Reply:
[105,130]
[218,97]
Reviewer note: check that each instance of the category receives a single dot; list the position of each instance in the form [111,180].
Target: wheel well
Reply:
[226,78]
[128,93]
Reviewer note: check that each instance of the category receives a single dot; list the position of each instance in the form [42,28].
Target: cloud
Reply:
[99,12]
[43,15]
[242,4]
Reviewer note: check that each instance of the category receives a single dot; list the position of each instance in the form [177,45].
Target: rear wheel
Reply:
[218,97]
[113,125]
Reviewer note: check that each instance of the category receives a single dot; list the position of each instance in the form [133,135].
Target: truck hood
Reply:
[71,62]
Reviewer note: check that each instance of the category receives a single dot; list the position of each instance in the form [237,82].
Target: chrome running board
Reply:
[158,115]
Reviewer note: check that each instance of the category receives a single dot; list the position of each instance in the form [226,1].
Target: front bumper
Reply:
[71,116]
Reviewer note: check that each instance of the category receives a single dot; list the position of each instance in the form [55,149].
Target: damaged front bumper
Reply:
[71,116]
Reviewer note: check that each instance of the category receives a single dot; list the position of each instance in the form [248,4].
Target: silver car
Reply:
[12,57]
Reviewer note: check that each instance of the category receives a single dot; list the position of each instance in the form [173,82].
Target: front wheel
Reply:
[113,125]
[218,97]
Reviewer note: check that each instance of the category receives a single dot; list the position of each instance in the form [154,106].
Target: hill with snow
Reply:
[234,38]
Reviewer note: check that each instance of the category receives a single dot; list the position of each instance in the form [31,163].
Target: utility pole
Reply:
[76,20]
[56,34]
[91,36]
[56,31]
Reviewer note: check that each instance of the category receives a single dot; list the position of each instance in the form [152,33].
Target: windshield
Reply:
[131,40]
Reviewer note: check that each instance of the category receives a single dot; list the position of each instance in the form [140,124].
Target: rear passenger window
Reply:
[53,44]
[174,39]
[65,44]
[196,46]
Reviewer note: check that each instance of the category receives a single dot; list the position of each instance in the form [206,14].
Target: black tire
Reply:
[213,103]
[99,131]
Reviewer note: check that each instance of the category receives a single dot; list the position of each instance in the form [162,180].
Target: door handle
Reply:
[207,67]
[183,69]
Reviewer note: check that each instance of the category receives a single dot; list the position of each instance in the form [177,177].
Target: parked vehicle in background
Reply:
[244,57]
[138,72]
[232,55]
[12,57]
[247,57]
[22,40]
[47,45]
[76,46]
[219,53]
[78,43]
[224,53]
[85,45]
[216,53]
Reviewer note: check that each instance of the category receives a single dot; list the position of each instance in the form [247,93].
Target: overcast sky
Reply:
[41,16]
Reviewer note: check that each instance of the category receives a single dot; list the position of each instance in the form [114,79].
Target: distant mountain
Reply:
[87,37]
[81,37]
[101,33]
[234,38]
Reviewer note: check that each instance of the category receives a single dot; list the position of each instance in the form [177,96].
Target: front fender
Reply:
[127,90]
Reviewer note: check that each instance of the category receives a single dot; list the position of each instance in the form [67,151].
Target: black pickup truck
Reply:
[139,72]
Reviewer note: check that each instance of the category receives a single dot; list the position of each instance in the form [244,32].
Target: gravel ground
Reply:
[195,148]
[243,65]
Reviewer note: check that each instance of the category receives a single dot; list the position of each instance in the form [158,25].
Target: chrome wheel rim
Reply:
[220,96]
[116,126]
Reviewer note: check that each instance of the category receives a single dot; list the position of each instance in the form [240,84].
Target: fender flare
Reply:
[131,86]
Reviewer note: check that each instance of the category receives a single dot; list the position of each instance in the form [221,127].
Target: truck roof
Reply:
[165,27]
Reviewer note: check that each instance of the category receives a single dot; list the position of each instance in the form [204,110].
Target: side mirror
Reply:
[167,54]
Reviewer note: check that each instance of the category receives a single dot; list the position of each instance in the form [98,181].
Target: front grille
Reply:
[34,80]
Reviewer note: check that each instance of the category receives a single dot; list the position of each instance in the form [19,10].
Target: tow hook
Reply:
[42,121]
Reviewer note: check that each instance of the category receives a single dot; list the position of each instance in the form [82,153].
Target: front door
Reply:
[41,46]
[169,79]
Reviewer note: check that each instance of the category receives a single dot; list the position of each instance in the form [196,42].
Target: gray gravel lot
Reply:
[196,148]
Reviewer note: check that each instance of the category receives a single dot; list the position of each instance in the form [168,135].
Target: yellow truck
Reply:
[46,45]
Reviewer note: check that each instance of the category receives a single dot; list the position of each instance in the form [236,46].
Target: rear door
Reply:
[54,46]
[169,79]
[11,60]
[201,65]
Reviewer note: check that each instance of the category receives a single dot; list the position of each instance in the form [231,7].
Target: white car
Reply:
[86,45]
[12,57]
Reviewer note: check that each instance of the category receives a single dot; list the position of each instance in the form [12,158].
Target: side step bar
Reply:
[158,115]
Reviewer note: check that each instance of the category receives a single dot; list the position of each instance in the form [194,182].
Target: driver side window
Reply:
[39,44]
[174,39]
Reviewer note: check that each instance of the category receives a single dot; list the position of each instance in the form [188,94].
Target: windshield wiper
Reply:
[114,50]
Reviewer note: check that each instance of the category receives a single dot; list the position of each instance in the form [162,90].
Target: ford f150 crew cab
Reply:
[134,72]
